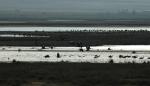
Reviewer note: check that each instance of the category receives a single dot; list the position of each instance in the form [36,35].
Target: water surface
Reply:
[70,28]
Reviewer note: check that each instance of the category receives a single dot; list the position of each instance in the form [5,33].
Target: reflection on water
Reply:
[70,28]
[10,35]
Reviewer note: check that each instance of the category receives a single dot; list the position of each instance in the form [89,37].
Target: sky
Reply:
[75,5]
[74,9]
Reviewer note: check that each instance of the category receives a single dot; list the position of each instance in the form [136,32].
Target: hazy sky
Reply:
[75,5]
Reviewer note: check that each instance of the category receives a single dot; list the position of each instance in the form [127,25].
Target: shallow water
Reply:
[70,28]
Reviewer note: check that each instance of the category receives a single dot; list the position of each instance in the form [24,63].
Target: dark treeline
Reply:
[85,23]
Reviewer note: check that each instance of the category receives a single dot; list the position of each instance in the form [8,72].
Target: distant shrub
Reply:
[133,52]
[43,46]
[109,48]
[111,61]
[58,55]
[148,58]
[52,47]
[81,50]
[148,62]
[14,61]
[88,48]
[133,62]
[3,48]
[121,56]
[144,62]
[134,57]
[46,56]
[110,56]
[19,50]
[96,56]
[141,58]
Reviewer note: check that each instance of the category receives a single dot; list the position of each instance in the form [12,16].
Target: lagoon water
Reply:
[70,28]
